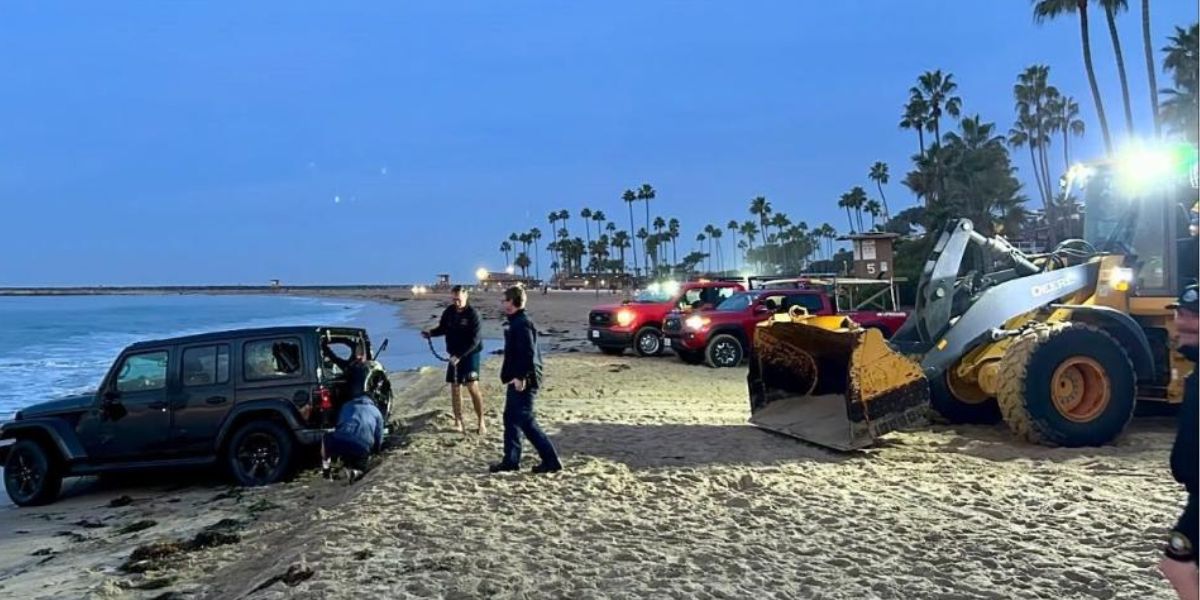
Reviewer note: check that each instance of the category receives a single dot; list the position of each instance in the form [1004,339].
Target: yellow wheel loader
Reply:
[1060,345]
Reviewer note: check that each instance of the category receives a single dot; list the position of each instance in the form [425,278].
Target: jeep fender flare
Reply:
[58,431]
[282,409]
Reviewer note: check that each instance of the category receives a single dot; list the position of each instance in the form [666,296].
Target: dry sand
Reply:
[667,493]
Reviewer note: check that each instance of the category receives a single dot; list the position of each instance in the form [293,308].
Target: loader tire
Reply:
[1067,384]
[957,410]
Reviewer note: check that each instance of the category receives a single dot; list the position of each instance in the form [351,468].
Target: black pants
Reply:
[518,419]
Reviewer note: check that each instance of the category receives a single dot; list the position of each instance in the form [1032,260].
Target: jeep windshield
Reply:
[738,301]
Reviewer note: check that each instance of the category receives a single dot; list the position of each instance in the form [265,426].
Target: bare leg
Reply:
[477,400]
[456,406]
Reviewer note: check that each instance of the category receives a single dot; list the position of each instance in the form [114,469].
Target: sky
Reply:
[176,143]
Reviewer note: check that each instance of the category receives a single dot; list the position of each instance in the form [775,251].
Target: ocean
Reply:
[51,346]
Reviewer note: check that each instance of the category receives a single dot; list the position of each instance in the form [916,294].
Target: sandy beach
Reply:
[667,493]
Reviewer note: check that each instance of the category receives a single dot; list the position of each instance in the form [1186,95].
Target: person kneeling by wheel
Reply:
[359,433]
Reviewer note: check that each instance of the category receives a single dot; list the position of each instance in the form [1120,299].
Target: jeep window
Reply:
[143,372]
[206,365]
[738,302]
[810,302]
[341,347]
[271,359]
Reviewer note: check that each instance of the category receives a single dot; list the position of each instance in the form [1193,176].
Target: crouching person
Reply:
[359,433]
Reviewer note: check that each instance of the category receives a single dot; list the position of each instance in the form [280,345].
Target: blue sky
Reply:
[377,142]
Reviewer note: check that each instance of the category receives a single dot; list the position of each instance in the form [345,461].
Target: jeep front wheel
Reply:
[260,453]
[648,342]
[32,475]
[724,351]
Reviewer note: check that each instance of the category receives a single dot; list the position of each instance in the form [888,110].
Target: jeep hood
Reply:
[57,407]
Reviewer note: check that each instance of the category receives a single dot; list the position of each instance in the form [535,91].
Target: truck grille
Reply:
[600,319]
[672,324]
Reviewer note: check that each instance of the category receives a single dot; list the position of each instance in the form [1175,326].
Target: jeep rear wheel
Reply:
[724,351]
[260,453]
[32,475]
[648,342]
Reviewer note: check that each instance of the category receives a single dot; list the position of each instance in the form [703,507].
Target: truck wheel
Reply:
[723,350]
[613,350]
[960,405]
[260,453]
[1068,384]
[648,342]
[691,358]
[32,474]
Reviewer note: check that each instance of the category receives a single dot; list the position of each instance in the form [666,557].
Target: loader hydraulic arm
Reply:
[940,280]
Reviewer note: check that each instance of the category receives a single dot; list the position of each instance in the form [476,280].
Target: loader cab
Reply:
[1143,207]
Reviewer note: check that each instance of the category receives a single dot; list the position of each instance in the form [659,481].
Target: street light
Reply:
[509,269]
[481,274]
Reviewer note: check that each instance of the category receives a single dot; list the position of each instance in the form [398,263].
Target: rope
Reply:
[453,367]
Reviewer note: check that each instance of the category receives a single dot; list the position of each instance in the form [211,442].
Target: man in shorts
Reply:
[461,325]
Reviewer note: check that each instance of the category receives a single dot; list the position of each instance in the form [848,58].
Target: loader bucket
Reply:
[829,382]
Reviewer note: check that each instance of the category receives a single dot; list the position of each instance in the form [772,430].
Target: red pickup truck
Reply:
[721,336]
[638,322]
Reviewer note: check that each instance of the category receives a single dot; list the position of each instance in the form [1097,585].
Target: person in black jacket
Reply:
[521,373]
[1179,564]
[461,325]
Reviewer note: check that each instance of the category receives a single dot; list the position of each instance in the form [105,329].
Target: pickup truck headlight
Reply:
[624,317]
[696,322]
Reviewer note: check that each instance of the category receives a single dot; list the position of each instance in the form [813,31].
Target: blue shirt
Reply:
[360,423]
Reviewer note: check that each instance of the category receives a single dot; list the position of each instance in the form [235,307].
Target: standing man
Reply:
[461,325]
[522,377]
[1179,564]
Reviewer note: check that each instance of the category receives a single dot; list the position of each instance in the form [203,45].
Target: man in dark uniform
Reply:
[461,325]
[522,376]
[1179,564]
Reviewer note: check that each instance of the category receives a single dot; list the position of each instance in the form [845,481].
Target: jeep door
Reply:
[133,416]
[203,398]
[275,371]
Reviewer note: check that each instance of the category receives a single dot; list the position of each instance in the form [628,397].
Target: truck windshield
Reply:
[736,302]
[652,295]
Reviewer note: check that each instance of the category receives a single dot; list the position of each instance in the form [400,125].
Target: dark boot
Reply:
[547,468]
[501,467]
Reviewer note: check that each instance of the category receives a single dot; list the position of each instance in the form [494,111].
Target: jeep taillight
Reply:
[324,399]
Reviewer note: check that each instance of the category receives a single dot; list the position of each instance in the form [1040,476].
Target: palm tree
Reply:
[874,209]
[762,207]
[732,226]
[780,222]
[553,219]
[749,229]
[1024,133]
[1111,8]
[847,203]
[620,241]
[630,197]
[716,237]
[1064,114]
[586,215]
[1044,10]
[673,234]
[700,239]
[914,118]
[523,264]
[858,199]
[505,247]
[1150,67]
[1034,98]
[879,174]
[599,218]
[535,234]
[646,194]
[644,237]
[935,90]
[1179,109]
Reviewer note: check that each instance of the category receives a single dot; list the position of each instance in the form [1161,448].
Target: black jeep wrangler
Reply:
[249,399]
